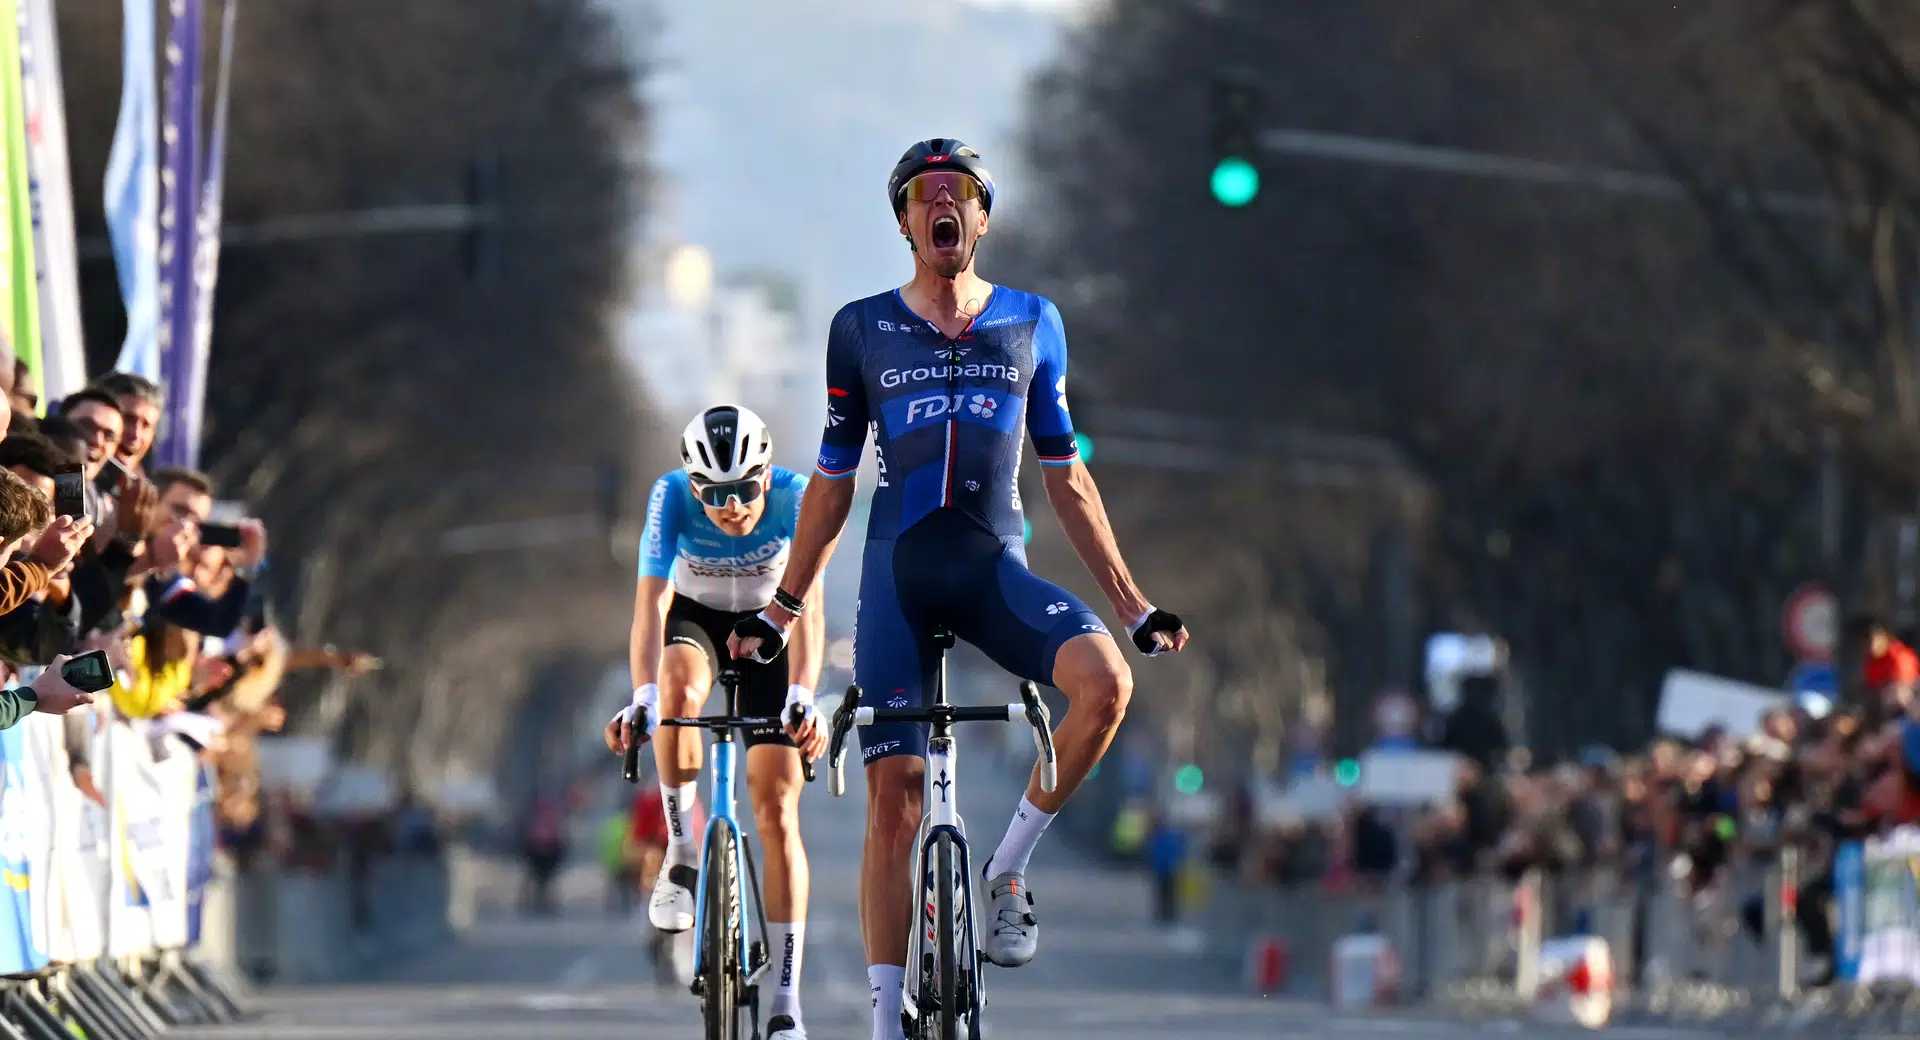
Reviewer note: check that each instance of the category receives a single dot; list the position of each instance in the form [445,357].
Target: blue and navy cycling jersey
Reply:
[944,545]
[708,565]
[946,415]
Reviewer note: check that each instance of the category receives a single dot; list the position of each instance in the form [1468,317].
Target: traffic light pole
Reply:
[1460,162]
[1235,114]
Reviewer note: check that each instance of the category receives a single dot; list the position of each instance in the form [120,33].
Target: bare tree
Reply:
[368,394]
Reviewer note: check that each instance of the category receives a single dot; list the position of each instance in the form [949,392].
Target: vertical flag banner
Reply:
[179,222]
[22,289]
[207,260]
[133,193]
[63,352]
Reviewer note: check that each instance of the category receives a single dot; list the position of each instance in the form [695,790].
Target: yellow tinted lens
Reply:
[927,187]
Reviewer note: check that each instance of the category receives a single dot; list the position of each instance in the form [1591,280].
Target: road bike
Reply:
[728,962]
[943,995]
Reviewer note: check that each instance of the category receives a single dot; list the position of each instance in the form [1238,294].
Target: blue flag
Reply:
[133,194]
[179,225]
[187,370]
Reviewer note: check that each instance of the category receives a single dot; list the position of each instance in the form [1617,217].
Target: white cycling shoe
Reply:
[671,908]
[783,1027]
[1016,932]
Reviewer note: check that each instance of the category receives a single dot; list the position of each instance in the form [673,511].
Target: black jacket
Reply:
[195,611]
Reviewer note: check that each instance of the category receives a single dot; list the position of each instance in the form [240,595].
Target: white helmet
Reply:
[726,444]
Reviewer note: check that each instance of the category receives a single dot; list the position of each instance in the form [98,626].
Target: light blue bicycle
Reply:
[727,963]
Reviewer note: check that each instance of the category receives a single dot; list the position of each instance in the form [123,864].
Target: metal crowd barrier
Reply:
[133,998]
[267,924]
[1474,943]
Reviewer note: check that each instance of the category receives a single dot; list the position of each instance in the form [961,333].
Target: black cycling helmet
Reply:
[938,153]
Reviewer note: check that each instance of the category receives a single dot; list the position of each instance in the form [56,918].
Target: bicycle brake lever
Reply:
[630,765]
[1042,722]
[837,750]
[795,716]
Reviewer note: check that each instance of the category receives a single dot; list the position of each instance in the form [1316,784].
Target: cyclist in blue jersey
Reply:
[718,533]
[946,373]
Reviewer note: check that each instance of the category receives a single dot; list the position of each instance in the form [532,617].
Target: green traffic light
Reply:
[1084,444]
[1235,181]
[1347,773]
[1188,780]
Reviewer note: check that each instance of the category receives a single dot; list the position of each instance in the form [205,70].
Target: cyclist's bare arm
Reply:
[808,648]
[650,603]
[823,516]
[1076,501]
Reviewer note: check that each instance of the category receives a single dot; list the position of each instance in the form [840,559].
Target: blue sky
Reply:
[777,121]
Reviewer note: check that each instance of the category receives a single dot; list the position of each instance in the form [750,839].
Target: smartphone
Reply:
[73,496]
[90,672]
[112,476]
[222,536]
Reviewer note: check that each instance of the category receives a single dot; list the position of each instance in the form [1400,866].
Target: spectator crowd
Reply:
[1809,778]
[104,553]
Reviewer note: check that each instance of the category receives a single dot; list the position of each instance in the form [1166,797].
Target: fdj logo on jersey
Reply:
[977,405]
[997,410]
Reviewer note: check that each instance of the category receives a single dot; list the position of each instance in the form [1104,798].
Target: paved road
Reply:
[1103,971]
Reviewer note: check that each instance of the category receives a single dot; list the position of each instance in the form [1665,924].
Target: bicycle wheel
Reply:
[720,938]
[948,988]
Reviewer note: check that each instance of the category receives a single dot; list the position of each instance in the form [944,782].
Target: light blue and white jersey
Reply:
[708,565]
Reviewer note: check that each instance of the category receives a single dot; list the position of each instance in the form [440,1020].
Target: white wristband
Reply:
[647,696]
[798,694]
[1135,627]
[777,626]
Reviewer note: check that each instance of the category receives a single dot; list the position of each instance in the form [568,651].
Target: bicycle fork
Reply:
[941,800]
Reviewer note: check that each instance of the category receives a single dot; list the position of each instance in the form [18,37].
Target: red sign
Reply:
[1811,622]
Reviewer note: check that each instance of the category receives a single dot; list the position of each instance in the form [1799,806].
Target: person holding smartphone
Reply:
[186,501]
[51,693]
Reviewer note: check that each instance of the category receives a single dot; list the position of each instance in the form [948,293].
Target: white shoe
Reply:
[783,1027]
[671,908]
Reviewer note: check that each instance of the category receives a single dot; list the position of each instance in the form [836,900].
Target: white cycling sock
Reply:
[786,942]
[885,981]
[1022,835]
[682,846]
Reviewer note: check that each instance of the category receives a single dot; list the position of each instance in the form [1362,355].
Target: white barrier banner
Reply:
[152,801]
[1890,909]
[23,829]
[41,738]
[76,885]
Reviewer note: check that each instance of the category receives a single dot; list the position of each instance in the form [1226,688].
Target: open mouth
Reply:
[946,232]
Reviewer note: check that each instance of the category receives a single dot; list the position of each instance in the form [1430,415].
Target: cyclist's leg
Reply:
[1030,627]
[774,782]
[1040,631]
[893,658]
[686,676]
